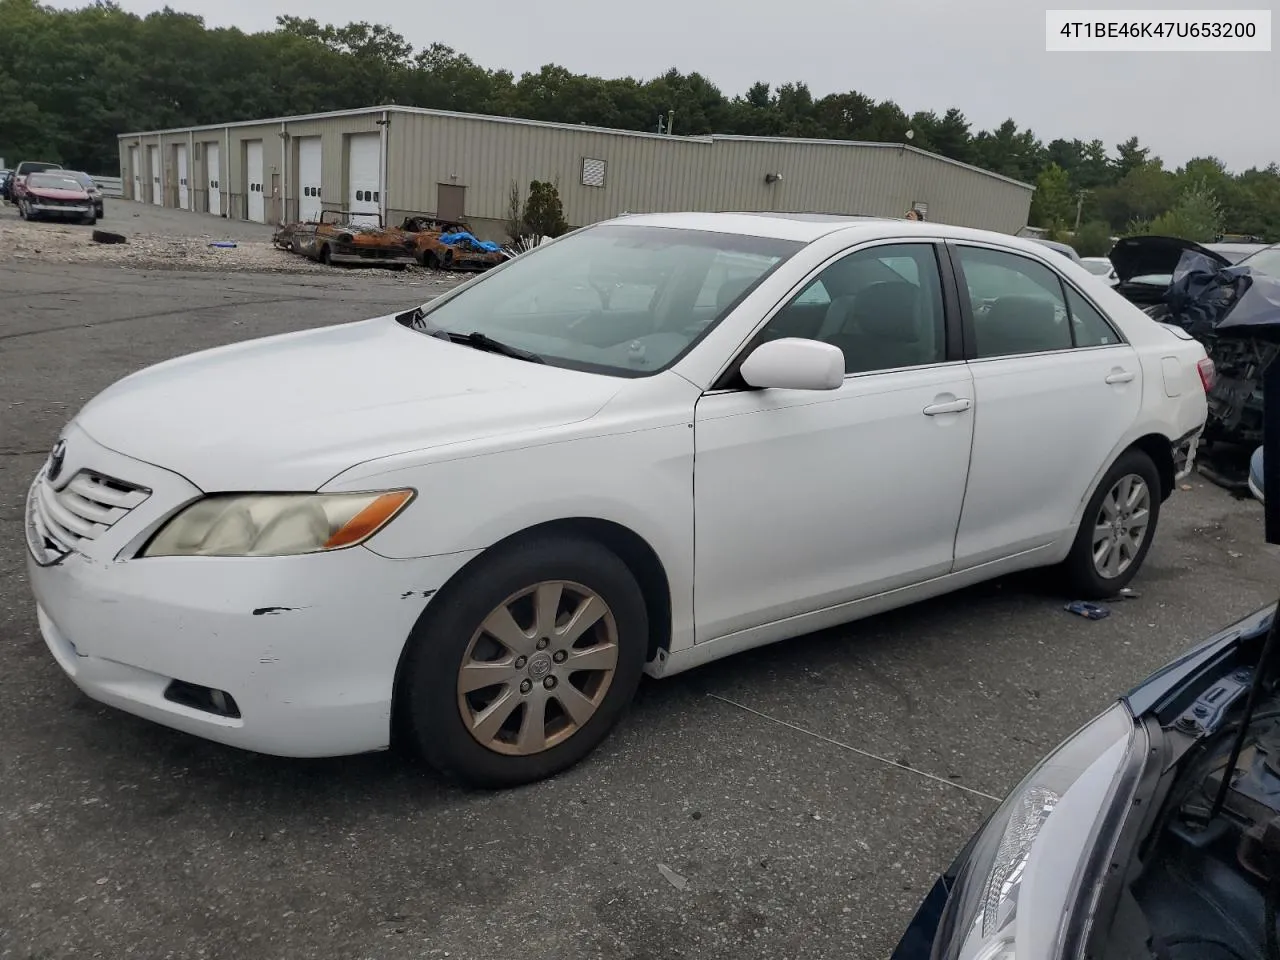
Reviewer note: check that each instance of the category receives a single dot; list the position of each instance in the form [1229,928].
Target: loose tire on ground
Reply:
[1081,568]
[437,705]
[104,236]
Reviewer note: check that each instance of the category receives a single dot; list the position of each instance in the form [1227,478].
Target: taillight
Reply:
[1208,373]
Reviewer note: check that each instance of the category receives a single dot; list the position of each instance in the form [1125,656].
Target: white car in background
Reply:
[646,445]
[1101,267]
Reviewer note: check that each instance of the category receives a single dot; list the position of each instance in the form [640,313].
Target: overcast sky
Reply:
[986,57]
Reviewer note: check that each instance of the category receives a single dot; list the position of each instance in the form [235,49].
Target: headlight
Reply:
[275,525]
[1014,894]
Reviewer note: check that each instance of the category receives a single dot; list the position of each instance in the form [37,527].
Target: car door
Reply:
[804,500]
[1055,390]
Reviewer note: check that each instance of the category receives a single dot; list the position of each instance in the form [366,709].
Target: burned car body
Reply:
[1233,309]
[450,245]
[338,237]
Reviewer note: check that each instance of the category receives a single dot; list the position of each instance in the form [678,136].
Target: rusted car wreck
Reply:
[450,245]
[341,237]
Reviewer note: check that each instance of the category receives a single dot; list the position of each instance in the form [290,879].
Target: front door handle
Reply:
[954,406]
[1120,376]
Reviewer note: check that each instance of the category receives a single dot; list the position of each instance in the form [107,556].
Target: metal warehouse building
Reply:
[397,161]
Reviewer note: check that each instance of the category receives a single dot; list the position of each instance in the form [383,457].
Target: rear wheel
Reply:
[523,668]
[324,256]
[1117,528]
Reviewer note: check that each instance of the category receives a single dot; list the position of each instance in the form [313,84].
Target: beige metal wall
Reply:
[643,172]
[279,161]
[648,173]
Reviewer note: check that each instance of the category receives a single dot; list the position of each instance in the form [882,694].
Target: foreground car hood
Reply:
[1146,256]
[292,411]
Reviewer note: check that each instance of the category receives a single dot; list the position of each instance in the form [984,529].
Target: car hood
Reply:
[1148,256]
[290,412]
[52,193]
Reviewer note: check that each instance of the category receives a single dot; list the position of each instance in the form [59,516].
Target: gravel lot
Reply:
[158,238]
[123,838]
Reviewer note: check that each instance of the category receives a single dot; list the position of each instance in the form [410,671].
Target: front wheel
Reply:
[522,669]
[1116,529]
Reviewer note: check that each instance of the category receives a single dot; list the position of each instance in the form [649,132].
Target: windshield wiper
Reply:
[482,341]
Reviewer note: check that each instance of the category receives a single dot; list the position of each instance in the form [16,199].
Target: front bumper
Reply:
[306,646]
[79,210]
[917,942]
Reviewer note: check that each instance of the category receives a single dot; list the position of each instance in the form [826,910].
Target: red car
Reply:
[54,194]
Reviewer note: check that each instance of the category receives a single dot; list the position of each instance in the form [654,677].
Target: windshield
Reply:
[1099,268]
[83,179]
[32,166]
[1265,261]
[616,298]
[52,181]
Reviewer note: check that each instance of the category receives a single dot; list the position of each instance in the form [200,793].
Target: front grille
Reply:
[60,521]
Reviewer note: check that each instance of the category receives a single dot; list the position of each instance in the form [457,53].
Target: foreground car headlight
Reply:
[275,524]
[1016,892]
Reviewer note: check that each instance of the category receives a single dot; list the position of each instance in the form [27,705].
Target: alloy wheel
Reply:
[538,668]
[1121,526]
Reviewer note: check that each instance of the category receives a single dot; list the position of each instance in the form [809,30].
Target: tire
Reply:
[430,261]
[324,255]
[1083,574]
[102,236]
[449,637]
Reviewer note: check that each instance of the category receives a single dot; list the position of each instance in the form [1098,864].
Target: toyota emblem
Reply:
[56,457]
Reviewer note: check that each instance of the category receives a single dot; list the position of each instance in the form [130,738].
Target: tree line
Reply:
[70,80]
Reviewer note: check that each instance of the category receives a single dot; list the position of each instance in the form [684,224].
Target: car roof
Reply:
[808,227]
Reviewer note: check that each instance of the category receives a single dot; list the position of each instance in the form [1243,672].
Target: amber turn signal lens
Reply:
[367,522]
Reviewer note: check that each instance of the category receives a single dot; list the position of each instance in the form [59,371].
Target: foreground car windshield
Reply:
[620,299]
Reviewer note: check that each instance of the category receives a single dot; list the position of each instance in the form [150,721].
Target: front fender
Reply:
[641,480]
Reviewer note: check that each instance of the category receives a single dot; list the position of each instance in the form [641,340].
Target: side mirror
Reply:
[794,364]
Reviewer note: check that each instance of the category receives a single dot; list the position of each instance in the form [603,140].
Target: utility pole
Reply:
[1079,207]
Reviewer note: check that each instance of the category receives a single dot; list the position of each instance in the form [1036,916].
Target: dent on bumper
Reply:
[307,646]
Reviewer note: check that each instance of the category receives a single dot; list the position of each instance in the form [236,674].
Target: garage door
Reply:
[253,174]
[135,171]
[213,171]
[157,189]
[309,203]
[184,191]
[364,161]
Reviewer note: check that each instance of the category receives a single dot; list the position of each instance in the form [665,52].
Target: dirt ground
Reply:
[159,238]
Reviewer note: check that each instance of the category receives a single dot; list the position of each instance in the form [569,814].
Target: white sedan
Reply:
[649,444]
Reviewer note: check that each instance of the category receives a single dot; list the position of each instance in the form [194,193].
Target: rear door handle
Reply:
[1120,376]
[954,406]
